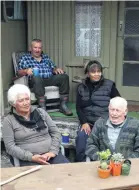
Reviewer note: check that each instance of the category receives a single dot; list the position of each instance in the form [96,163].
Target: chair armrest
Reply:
[21,80]
[62,150]
[16,162]
[88,159]
[16,77]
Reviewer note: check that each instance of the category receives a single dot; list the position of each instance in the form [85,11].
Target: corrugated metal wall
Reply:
[51,21]
[47,21]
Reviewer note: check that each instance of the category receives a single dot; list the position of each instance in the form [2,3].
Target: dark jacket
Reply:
[92,99]
[126,144]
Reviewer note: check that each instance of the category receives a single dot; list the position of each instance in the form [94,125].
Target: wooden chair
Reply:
[51,92]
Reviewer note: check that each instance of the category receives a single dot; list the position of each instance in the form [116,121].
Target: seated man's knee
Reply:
[64,76]
[37,79]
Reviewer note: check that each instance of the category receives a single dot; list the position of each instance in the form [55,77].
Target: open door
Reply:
[127,73]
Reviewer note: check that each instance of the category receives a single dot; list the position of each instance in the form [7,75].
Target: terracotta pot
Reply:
[116,168]
[111,164]
[104,173]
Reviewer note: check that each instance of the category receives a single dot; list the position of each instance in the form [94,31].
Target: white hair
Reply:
[15,90]
[119,101]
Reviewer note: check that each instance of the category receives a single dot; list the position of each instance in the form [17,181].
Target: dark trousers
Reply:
[59,159]
[81,140]
[38,84]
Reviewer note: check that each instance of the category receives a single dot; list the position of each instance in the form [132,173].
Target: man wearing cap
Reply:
[92,100]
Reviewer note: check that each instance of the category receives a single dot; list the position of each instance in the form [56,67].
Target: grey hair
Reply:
[119,101]
[36,40]
[15,90]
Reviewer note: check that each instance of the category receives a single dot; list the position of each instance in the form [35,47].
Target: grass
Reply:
[134,114]
[73,108]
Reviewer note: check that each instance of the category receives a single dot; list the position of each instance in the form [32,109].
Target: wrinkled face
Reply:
[22,104]
[117,114]
[36,49]
[95,74]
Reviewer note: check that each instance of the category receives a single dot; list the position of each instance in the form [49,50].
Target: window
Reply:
[131,45]
[88,28]
[15,10]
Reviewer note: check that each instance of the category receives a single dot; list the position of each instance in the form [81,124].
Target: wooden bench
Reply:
[72,176]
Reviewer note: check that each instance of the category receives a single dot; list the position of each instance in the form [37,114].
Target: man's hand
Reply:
[29,71]
[39,159]
[58,71]
[48,155]
[86,128]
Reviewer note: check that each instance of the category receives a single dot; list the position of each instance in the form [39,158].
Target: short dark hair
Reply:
[91,63]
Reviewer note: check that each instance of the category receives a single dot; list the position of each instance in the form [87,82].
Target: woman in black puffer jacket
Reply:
[92,100]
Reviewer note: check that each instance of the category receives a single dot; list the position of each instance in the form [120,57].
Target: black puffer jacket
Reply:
[93,99]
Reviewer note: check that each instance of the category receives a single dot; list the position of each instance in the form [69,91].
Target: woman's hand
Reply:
[86,128]
[39,159]
[48,155]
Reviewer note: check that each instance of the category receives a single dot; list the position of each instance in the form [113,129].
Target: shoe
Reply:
[63,105]
[42,103]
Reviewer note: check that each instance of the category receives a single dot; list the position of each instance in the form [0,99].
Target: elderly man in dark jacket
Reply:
[93,96]
[118,132]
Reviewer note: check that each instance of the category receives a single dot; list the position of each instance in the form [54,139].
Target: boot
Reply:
[42,103]
[63,105]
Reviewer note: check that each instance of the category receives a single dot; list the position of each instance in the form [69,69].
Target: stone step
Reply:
[65,125]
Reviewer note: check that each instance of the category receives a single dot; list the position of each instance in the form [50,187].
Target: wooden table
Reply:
[73,176]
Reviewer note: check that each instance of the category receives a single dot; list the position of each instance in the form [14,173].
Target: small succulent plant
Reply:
[125,169]
[117,158]
[125,166]
[103,165]
[104,155]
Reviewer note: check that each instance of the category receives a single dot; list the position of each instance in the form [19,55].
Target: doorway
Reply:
[127,71]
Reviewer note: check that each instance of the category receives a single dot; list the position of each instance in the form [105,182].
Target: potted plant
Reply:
[126,167]
[104,169]
[104,155]
[116,163]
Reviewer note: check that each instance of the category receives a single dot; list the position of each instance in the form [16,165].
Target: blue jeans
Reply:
[59,159]
[81,140]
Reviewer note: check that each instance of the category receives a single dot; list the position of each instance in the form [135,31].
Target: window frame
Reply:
[73,53]
[5,13]
[105,36]
[102,21]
